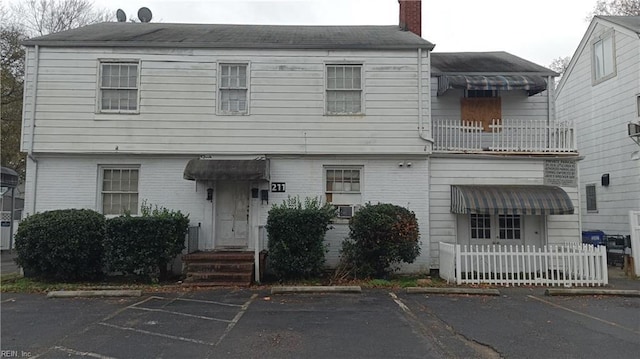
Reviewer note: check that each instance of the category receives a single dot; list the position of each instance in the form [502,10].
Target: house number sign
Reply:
[278,187]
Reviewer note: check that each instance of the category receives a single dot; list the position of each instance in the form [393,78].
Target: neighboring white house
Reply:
[503,170]
[222,121]
[600,93]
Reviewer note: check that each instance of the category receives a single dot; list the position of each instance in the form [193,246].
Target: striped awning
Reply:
[531,83]
[524,200]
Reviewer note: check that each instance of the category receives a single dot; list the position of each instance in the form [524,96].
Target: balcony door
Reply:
[481,106]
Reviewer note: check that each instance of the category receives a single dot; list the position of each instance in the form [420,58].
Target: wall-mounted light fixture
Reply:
[604,180]
[209,194]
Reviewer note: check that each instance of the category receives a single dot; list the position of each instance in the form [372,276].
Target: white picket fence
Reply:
[504,135]
[554,265]
[634,223]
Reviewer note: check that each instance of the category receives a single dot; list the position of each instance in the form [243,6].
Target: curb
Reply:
[586,291]
[436,290]
[93,293]
[316,289]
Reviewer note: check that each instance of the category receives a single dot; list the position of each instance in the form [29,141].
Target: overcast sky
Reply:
[539,30]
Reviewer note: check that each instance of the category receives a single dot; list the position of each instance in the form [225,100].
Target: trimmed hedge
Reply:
[296,237]
[62,245]
[381,236]
[145,245]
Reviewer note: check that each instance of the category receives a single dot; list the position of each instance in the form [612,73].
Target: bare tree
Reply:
[560,64]
[615,7]
[41,17]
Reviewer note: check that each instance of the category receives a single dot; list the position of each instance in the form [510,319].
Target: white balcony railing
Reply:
[505,135]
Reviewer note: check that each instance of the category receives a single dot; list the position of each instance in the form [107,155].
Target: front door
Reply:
[496,229]
[232,215]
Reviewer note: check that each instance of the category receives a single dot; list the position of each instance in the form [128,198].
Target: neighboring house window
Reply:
[480,226]
[344,89]
[119,87]
[233,89]
[483,107]
[603,58]
[119,191]
[343,188]
[592,205]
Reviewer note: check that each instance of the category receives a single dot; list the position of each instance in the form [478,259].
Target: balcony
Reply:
[504,136]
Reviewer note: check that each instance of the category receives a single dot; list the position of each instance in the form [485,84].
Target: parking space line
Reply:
[84,354]
[179,313]
[235,319]
[400,303]
[203,301]
[114,314]
[583,314]
[158,334]
[8,300]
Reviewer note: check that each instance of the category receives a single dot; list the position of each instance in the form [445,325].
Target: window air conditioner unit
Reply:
[347,211]
[634,130]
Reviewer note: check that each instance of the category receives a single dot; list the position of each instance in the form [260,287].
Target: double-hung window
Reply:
[119,87]
[119,192]
[344,89]
[343,188]
[604,58]
[233,89]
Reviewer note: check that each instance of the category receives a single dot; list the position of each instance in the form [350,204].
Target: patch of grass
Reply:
[19,284]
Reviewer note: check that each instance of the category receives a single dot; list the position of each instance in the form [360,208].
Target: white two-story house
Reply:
[600,92]
[222,121]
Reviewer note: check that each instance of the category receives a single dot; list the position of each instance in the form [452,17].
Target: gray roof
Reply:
[115,34]
[630,22]
[498,62]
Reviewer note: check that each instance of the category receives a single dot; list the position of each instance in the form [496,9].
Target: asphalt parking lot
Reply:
[521,323]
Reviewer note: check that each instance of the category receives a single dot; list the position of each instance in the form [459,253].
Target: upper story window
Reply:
[344,89]
[604,66]
[119,192]
[233,89]
[119,87]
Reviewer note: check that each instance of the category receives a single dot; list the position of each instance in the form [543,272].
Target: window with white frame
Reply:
[233,89]
[344,89]
[343,188]
[480,226]
[119,192]
[119,87]
[603,58]
[592,204]
[508,226]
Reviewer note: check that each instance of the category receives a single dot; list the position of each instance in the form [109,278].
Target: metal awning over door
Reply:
[523,200]
[531,83]
[225,170]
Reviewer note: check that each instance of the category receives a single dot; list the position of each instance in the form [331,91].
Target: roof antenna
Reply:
[121,16]
[144,14]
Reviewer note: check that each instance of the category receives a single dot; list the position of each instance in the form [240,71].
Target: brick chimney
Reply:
[411,16]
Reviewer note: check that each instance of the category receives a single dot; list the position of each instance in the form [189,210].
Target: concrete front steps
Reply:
[219,268]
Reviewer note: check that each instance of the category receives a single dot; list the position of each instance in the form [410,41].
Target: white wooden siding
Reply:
[515,104]
[178,103]
[601,114]
[71,181]
[445,172]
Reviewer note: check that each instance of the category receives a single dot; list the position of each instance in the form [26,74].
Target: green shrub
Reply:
[296,237]
[62,244]
[381,236]
[145,245]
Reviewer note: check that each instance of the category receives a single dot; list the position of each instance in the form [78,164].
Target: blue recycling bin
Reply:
[595,238]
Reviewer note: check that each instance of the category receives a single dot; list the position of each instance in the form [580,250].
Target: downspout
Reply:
[420,99]
[32,128]
[550,87]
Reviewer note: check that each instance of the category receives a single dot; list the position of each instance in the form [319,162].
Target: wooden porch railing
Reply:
[504,135]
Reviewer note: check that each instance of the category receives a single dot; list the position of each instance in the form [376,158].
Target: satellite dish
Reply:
[144,14]
[121,16]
